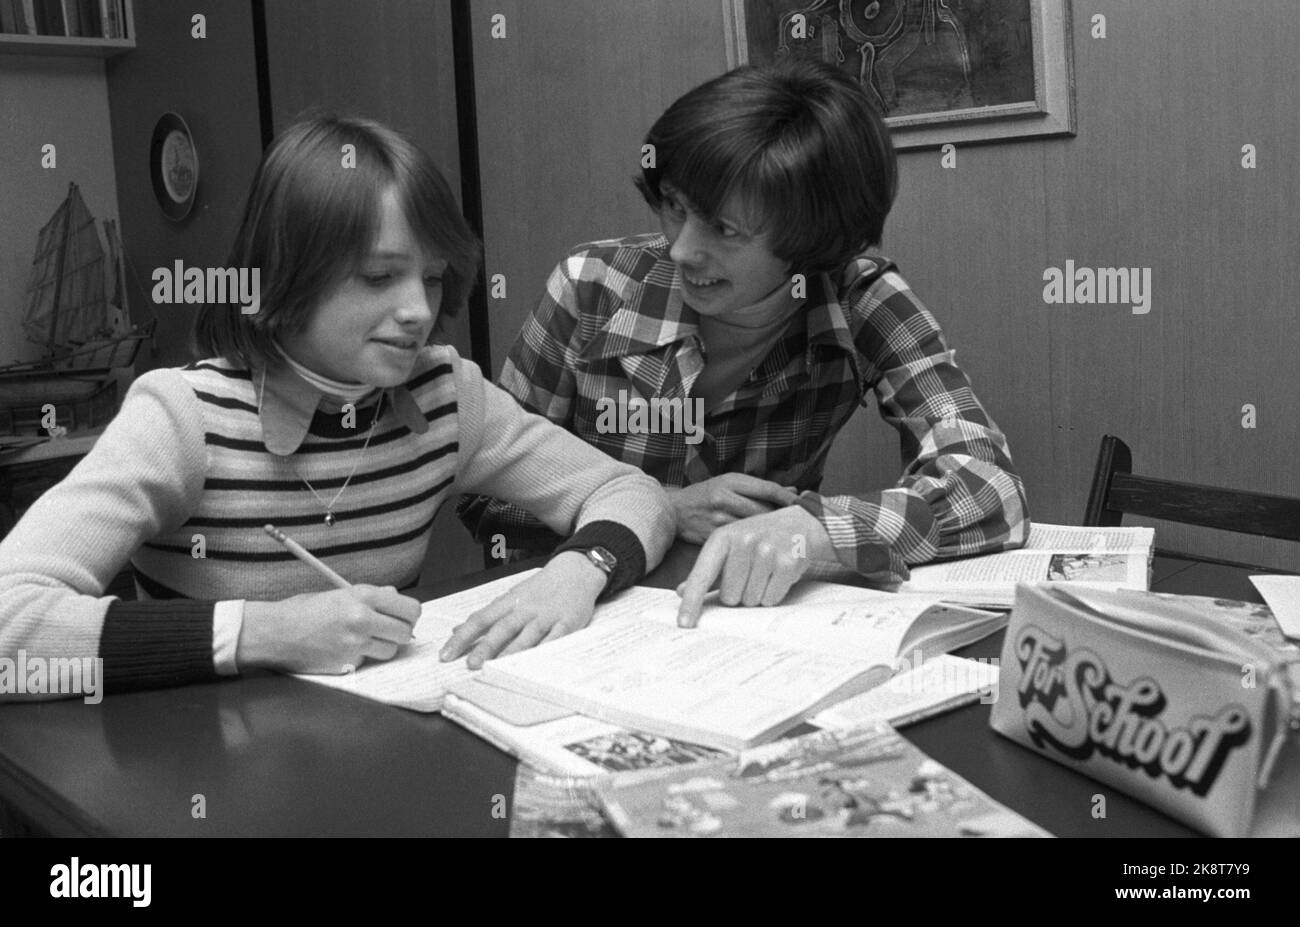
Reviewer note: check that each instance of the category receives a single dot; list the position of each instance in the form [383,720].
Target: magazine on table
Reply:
[1103,558]
[863,782]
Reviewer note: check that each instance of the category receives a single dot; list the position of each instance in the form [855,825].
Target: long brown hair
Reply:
[312,216]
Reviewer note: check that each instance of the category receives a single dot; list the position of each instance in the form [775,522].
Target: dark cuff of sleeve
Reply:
[619,540]
[154,644]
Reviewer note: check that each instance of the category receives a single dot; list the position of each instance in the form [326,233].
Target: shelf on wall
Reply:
[63,45]
[23,43]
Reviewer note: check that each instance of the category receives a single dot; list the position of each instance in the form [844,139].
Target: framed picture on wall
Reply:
[942,71]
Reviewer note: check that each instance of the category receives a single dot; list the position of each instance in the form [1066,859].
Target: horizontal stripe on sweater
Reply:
[360,478]
[280,554]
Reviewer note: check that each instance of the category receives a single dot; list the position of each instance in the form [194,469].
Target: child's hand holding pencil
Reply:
[325,632]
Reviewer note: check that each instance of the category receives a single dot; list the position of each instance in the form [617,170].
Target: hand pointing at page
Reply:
[755,561]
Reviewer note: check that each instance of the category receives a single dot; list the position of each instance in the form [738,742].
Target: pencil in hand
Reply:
[307,557]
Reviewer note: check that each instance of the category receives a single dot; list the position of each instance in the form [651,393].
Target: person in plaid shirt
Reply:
[724,355]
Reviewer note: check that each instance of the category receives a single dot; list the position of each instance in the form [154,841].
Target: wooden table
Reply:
[272,755]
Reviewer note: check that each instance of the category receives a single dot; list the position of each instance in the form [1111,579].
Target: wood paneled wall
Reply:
[1154,179]
[389,60]
[212,83]
[386,59]
[1165,103]
[31,88]
[564,102]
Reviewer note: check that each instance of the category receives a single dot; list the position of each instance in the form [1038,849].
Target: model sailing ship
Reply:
[82,324]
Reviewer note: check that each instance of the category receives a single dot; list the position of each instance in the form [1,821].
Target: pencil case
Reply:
[1169,699]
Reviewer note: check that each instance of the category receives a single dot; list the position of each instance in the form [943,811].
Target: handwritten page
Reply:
[439,617]
[416,678]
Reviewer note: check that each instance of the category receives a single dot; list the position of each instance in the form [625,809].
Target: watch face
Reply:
[602,558]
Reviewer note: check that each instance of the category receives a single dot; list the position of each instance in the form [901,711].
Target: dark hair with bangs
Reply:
[311,219]
[800,140]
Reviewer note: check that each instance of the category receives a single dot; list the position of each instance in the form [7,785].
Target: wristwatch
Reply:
[602,558]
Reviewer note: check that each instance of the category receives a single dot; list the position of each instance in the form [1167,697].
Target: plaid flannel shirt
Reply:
[613,320]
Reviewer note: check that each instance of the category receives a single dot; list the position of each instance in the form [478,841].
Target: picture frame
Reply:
[944,71]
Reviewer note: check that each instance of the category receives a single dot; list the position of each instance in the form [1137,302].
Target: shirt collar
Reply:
[652,314]
[287,403]
[829,306]
[827,322]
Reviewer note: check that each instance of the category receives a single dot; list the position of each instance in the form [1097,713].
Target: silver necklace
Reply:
[329,507]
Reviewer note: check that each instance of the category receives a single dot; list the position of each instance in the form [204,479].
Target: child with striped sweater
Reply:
[326,411]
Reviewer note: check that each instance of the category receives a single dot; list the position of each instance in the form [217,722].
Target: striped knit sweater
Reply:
[184,478]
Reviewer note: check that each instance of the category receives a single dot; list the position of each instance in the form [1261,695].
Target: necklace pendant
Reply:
[329,519]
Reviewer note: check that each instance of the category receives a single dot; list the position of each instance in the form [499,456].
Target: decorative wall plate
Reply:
[173,166]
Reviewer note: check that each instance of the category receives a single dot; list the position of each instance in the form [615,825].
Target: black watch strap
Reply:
[620,542]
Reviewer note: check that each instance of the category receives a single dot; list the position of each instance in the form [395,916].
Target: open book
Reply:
[940,684]
[826,642]
[745,675]
[877,627]
[1107,558]
[864,782]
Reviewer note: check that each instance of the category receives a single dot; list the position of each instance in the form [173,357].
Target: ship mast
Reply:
[66,209]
